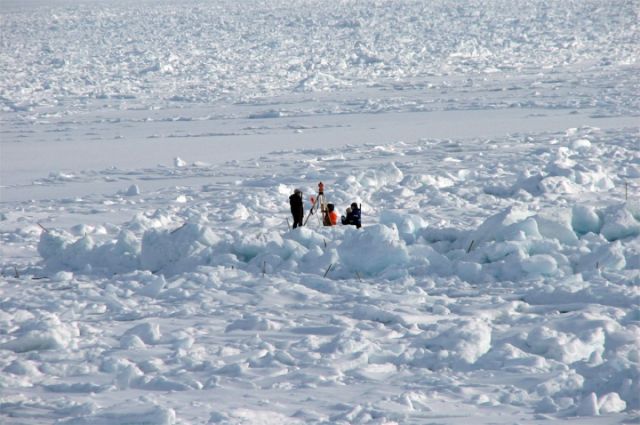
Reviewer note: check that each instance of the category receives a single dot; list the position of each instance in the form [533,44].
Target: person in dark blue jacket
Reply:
[354,216]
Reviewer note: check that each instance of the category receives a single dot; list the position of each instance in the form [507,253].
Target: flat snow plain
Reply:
[147,152]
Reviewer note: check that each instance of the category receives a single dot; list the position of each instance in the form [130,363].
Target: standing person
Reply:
[353,217]
[297,208]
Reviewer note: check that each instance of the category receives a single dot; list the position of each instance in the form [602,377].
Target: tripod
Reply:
[321,201]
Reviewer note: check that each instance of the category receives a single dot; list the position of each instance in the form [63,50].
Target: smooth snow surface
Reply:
[149,275]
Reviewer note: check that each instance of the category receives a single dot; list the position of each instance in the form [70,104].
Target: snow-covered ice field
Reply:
[147,152]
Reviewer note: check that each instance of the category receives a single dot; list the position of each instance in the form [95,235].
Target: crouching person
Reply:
[332,215]
[353,216]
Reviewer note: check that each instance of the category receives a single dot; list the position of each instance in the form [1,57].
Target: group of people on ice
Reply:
[329,214]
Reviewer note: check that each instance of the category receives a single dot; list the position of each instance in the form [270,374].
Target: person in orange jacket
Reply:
[333,215]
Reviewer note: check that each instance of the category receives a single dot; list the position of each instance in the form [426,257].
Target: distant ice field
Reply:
[157,53]
[148,272]
[117,83]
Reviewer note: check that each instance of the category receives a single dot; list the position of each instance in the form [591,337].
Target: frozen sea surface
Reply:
[148,272]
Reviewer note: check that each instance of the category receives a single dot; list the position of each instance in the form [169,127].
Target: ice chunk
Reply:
[546,405]
[581,145]
[307,237]
[466,340]
[585,219]
[559,185]
[126,415]
[565,347]
[149,333]
[540,264]
[407,224]
[153,287]
[556,229]
[376,314]
[22,367]
[595,179]
[163,248]
[133,190]
[52,244]
[468,271]
[377,178]
[606,256]
[504,225]
[611,403]
[131,342]
[372,249]
[251,322]
[248,246]
[44,334]
[619,223]
[560,384]
[588,406]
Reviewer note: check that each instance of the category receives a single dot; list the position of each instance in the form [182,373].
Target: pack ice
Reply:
[149,273]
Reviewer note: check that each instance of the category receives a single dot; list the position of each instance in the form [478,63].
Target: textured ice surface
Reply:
[148,274]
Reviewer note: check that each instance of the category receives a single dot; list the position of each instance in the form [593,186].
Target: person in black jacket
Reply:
[297,208]
[353,217]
